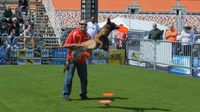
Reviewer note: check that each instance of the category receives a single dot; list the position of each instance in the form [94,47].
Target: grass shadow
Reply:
[107,98]
[135,109]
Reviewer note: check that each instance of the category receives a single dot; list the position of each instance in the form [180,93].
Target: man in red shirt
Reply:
[77,36]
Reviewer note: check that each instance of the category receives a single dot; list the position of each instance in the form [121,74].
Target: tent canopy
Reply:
[134,24]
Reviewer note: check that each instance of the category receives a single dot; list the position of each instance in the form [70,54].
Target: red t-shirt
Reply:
[77,37]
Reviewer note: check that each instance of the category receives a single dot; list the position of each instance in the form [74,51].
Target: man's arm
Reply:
[161,34]
[149,35]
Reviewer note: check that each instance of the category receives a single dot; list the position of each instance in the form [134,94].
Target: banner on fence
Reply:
[2,53]
[179,64]
[116,56]
[3,61]
[28,61]
[134,58]
[196,66]
[99,57]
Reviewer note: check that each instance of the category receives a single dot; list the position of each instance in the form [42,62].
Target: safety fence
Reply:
[176,57]
[48,51]
[33,56]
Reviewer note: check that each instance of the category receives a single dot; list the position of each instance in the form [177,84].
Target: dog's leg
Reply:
[76,54]
[98,43]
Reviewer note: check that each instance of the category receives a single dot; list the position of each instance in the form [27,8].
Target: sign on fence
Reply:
[117,57]
[99,57]
[180,63]
[134,58]
[196,65]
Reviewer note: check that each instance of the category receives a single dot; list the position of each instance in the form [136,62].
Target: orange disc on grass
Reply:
[108,94]
[105,101]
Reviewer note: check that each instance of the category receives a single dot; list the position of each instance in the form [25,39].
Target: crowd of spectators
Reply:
[20,19]
[13,24]
[70,18]
[11,19]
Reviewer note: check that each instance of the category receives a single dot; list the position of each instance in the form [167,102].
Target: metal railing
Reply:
[175,56]
[54,20]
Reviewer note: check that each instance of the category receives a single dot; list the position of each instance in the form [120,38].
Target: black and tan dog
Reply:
[100,41]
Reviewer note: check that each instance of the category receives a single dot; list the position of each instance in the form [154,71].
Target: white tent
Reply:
[134,24]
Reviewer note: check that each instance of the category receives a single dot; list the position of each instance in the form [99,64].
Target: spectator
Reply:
[15,26]
[92,27]
[155,33]
[122,37]
[9,23]
[22,18]
[65,31]
[76,37]
[1,13]
[11,42]
[92,30]
[29,34]
[194,29]
[1,5]
[27,21]
[4,27]
[171,35]
[69,18]
[196,37]
[186,38]
[23,6]
[7,12]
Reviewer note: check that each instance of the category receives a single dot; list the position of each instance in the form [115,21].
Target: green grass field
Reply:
[37,88]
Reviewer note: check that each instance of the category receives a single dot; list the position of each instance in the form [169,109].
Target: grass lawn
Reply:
[37,88]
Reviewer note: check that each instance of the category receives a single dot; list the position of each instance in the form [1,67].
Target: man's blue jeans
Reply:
[82,73]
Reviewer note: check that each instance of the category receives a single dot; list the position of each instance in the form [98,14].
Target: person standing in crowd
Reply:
[194,29]
[7,12]
[187,38]
[155,33]
[29,34]
[121,38]
[196,32]
[92,27]
[23,6]
[171,35]
[15,26]
[11,42]
[92,30]
[76,36]
[27,21]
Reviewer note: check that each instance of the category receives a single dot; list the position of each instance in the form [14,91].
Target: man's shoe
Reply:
[66,98]
[84,98]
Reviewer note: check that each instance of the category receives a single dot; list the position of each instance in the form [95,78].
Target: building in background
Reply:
[89,8]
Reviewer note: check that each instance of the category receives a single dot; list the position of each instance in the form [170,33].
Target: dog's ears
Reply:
[108,21]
